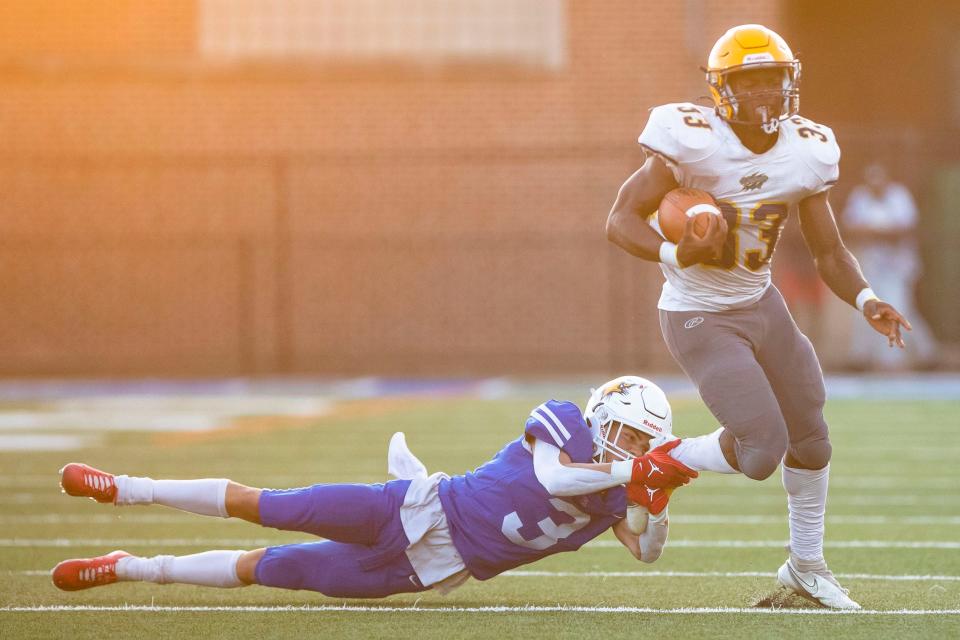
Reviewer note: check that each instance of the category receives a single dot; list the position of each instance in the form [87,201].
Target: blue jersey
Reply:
[501,517]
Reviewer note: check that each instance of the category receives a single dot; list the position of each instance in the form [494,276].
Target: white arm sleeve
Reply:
[561,480]
[654,538]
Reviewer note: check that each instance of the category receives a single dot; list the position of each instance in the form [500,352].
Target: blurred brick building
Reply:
[191,187]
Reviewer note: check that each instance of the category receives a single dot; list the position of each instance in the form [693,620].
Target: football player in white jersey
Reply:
[722,319]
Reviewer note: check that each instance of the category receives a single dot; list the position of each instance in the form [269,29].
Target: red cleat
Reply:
[82,480]
[84,573]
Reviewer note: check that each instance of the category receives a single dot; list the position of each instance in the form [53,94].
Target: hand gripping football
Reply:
[653,500]
[680,204]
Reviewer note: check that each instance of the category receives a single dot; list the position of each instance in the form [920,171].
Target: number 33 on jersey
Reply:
[754,191]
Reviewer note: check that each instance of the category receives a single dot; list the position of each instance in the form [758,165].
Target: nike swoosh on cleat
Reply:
[813,587]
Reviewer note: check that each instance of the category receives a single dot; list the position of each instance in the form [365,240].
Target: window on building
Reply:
[521,32]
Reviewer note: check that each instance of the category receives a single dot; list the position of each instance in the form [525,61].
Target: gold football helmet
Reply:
[745,48]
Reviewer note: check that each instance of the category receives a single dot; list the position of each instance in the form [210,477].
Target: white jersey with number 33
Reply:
[754,191]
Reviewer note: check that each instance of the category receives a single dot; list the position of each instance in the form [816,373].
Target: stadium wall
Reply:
[163,215]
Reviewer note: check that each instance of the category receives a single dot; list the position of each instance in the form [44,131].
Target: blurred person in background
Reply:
[880,219]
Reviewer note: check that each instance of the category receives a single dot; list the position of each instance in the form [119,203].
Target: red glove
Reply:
[658,470]
[655,500]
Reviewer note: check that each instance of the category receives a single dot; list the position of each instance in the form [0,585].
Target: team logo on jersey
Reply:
[753,181]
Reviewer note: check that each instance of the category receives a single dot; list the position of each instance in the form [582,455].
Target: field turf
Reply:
[893,535]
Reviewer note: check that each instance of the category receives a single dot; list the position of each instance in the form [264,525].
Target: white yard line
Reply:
[34,499]
[31,442]
[704,574]
[117,517]
[857,520]
[252,542]
[835,544]
[488,609]
[861,483]
[660,574]
[140,542]
[886,482]
[170,517]
[947,502]
[156,412]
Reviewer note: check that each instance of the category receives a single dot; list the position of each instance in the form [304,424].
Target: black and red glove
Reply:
[657,470]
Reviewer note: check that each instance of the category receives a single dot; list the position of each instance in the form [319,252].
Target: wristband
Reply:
[865,296]
[622,471]
[668,254]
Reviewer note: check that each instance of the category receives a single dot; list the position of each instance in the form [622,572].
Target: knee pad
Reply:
[814,453]
[759,466]
[810,438]
[759,457]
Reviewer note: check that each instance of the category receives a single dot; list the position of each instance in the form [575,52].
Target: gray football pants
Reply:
[759,376]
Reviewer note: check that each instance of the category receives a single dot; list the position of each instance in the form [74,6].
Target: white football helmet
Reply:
[629,401]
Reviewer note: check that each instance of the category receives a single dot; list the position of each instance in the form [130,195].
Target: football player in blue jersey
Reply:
[568,478]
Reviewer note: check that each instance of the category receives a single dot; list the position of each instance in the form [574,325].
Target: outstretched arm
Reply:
[561,477]
[841,271]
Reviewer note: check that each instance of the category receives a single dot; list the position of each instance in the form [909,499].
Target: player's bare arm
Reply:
[628,538]
[647,546]
[628,222]
[840,269]
[836,265]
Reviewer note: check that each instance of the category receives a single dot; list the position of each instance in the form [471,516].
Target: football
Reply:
[637,518]
[680,204]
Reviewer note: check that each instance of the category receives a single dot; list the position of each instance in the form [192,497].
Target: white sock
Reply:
[807,505]
[208,496]
[207,569]
[703,453]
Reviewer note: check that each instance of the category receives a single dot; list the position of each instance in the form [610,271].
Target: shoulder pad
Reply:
[561,424]
[817,146]
[681,132]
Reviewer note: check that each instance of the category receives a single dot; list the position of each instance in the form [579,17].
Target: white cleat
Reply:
[818,587]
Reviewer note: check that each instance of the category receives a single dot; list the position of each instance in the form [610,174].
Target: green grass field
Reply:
[893,530]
